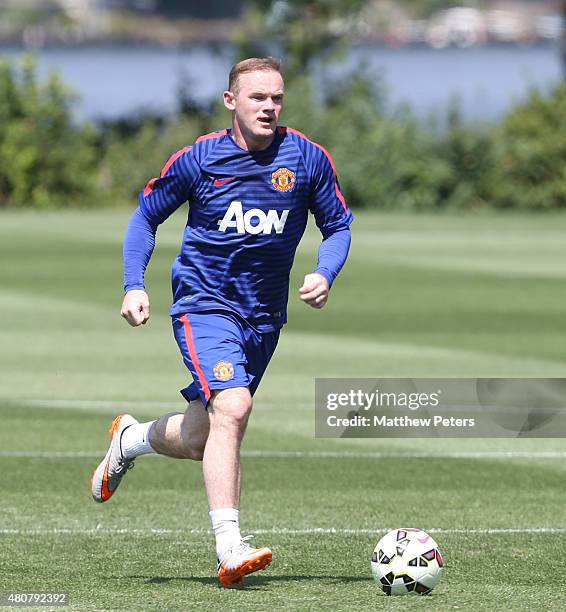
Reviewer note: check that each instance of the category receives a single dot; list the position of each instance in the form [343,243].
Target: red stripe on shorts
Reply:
[194,357]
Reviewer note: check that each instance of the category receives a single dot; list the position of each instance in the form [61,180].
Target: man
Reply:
[249,189]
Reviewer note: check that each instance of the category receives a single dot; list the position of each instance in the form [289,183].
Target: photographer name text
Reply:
[398,421]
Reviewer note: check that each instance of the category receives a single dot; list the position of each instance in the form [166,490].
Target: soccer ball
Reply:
[406,560]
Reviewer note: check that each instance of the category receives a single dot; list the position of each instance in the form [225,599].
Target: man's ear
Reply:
[230,100]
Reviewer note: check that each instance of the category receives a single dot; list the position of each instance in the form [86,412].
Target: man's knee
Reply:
[231,408]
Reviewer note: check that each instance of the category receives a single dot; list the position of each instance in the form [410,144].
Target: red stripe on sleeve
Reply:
[173,159]
[212,135]
[194,357]
[329,157]
[149,187]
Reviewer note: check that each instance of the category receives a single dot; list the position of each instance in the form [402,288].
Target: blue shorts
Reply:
[221,352]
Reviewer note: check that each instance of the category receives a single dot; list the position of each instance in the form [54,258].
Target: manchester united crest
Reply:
[223,371]
[283,179]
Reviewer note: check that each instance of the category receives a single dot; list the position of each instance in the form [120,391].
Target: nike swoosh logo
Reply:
[220,182]
[105,493]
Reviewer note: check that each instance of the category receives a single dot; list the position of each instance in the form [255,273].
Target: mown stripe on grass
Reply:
[318,454]
[276,531]
[115,406]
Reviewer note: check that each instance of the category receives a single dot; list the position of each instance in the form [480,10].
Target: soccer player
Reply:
[250,189]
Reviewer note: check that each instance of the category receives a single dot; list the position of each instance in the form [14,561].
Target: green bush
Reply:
[385,160]
[45,159]
[531,165]
[467,151]
[129,161]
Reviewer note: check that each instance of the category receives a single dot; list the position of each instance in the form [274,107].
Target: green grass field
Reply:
[421,296]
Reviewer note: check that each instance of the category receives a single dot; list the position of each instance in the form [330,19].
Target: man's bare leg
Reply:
[181,436]
[177,435]
[229,410]
[215,435]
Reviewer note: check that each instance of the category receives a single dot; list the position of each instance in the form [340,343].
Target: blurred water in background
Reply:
[116,81]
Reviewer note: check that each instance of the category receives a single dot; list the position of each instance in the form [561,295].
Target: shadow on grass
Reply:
[251,581]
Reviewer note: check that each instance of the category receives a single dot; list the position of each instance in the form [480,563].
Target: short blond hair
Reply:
[252,64]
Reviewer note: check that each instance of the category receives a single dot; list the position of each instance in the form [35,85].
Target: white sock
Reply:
[135,440]
[226,526]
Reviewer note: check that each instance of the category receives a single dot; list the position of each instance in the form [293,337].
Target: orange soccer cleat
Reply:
[113,467]
[240,561]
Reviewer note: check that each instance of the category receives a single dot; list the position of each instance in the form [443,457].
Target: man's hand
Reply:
[314,291]
[135,307]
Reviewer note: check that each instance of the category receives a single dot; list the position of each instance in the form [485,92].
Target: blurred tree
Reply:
[132,154]
[301,29]
[423,9]
[211,9]
[45,159]
[531,143]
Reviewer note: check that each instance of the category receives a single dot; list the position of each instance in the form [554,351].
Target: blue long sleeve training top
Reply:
[247,213]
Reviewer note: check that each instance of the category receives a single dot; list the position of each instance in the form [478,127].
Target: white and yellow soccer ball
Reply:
[407,560]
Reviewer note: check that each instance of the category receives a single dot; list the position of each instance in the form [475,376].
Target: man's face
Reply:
[256,104]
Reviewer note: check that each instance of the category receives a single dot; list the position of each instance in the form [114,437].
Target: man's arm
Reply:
[332,255]
[333,218]
[139,243]
[160,198]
